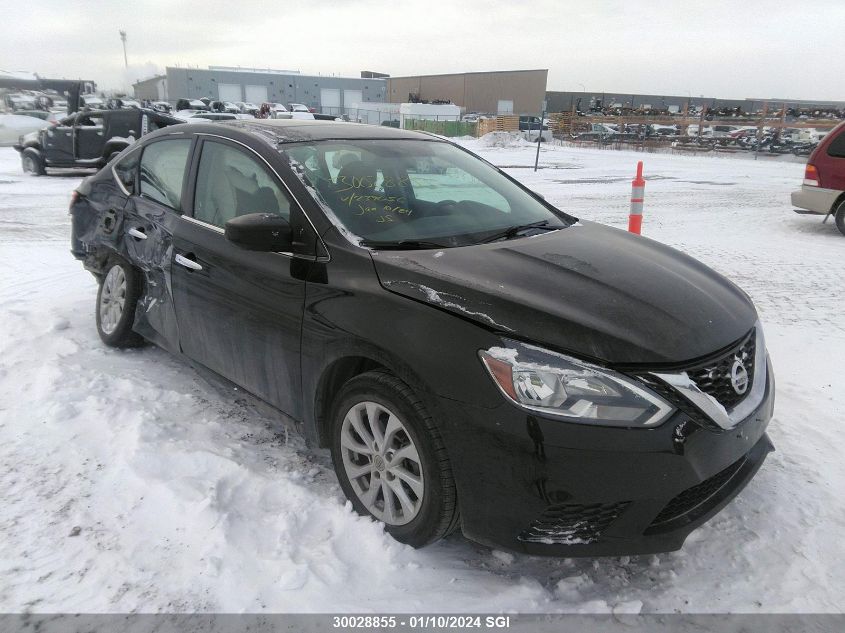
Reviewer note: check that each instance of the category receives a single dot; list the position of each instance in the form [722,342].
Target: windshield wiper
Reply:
[513,231]
[402,245]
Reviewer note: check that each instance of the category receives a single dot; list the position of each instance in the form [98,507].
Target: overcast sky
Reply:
[729,49]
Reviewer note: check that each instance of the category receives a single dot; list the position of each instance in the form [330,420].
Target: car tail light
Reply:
[811,176]
[74,197]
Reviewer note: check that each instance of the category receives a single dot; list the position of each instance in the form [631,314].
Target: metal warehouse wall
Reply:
[476,92]
[154,88]
[194,83]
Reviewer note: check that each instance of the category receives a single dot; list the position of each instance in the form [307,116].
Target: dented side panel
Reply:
[101,218]
[155,317]
[97,222]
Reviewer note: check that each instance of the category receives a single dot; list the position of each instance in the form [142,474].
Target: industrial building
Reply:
[327,94]
[496,92]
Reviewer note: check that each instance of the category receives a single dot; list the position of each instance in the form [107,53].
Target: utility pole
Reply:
[540,135]
[123,39]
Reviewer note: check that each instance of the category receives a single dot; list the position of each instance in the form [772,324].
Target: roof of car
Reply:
[299,130]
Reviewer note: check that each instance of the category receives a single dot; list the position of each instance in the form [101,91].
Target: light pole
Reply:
[123,39]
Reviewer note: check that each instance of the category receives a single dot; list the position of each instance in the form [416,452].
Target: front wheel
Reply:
[116,302]
[391,461]
[32,162]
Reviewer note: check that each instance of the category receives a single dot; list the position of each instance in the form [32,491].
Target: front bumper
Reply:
[542,486]
[815,199]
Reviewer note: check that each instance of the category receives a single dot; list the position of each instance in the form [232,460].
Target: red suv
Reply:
[823,190]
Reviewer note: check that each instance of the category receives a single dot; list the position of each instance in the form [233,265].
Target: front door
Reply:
[90,136]
[239,311]
[58,143]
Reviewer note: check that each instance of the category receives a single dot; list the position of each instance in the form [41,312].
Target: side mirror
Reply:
[260,232]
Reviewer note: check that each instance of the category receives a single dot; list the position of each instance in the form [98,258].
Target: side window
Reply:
[232,183]
[90,120]
[837,146]
[126,169]
[163,171]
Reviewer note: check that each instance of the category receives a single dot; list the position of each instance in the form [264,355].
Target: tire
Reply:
[429,509]
[117,299]
[840,217]
[32,162]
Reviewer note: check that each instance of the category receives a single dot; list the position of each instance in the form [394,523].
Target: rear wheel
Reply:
[391,461]
[32,162]
[840,217]
[116,302]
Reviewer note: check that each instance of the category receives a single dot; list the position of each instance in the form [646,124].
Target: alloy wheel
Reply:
[382,463]
[112,299]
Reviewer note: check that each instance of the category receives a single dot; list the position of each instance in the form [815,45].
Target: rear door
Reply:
[150,218]
[239,311]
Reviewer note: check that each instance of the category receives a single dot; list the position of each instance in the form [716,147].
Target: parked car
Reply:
[199,116]
[298,107]
[91,102]
[59,106]
[823,189]
[19,102]
[247,108]
[87,139]
[224,106]
[17,124]
[191,104]
[161,106]
[582,392]
[119,103]
[299,114]
[530,123]
[50,117]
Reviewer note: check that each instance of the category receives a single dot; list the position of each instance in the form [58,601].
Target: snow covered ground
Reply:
[130,483]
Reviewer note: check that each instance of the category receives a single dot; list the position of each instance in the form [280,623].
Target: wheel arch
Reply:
[840,199]
[33,145]
[341,369]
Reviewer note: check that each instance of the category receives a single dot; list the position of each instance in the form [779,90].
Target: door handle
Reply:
[138,234]
[187,263]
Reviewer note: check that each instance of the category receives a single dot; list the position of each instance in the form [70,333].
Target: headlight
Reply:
[554,384]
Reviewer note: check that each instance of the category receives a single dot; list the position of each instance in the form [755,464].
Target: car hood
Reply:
[590,290]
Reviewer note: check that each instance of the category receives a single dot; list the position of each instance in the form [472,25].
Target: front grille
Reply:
[714,378]
[696,496]
[572,524]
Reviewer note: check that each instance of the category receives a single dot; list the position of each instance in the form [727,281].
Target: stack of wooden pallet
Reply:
[501,123]
[560,122]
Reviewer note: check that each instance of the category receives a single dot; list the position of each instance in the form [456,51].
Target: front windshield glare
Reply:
[428,192]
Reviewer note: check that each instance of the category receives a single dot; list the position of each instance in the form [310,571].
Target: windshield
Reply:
[429,192]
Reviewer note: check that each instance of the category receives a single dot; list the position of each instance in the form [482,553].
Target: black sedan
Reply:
[473,356]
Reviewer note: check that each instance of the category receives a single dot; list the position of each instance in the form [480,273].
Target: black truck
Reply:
[88,139]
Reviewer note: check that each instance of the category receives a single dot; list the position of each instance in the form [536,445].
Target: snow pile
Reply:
[503,139]
[130,483]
